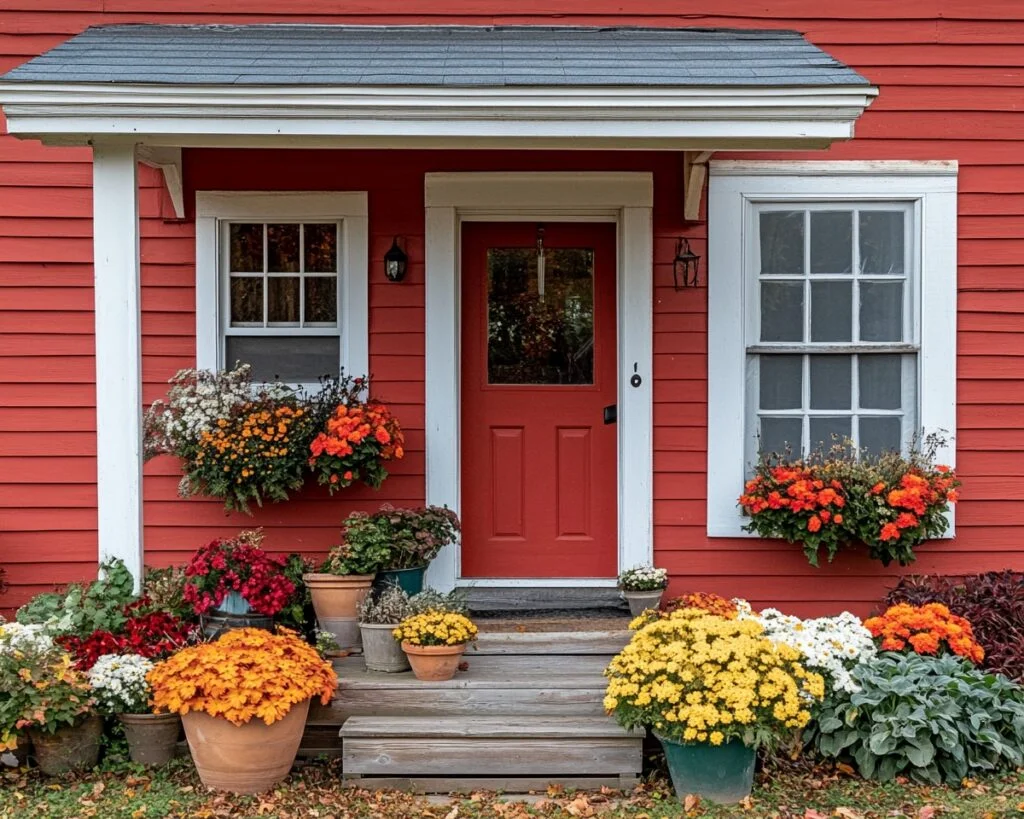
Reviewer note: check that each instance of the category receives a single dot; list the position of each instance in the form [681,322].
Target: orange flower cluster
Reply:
[244,448]
[356,442]
[914,497]
[926,629]
[705,601]
[246,674]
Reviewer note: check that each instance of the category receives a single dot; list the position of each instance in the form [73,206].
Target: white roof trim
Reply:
[811,115]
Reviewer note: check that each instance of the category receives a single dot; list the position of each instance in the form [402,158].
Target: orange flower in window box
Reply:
[355,444]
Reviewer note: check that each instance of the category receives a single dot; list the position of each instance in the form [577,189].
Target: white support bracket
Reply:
[695,170]
[168,162]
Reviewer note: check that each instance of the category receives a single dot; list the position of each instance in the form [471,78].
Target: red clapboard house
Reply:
[848,173]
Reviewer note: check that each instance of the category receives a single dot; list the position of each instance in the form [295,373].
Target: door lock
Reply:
[611,413]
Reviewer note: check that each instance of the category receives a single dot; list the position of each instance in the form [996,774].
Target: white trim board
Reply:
[351,208]
[811,116]
[626,199]
[930,188]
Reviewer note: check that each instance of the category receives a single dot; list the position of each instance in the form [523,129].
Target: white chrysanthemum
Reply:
[17,637]
[119,683]
[643,578]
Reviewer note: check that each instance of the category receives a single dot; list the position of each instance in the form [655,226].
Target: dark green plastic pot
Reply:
[411,580]
[719,773]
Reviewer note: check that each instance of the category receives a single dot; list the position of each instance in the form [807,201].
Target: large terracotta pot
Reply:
[152,738]
[434,662]
[249,758]
[73,748]
[335,599]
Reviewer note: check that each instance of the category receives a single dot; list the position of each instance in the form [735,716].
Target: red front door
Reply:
[539,473]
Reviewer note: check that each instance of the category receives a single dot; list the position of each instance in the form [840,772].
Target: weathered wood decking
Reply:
[527,713]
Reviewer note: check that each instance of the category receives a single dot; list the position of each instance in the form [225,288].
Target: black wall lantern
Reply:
[685,266]
[395,262]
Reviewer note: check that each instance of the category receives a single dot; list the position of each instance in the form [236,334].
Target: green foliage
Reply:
[387,608]
[932,719]
[164,590]
[82,609]
[432,600]
[412,537]
[367,556]
[294,614]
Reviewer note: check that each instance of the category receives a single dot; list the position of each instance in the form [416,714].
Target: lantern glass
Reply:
[395,262]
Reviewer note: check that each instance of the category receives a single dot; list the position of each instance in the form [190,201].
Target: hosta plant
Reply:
[931,719]
[695,677]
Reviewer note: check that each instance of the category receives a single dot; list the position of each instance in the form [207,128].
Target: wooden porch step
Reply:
[553,643]
[511,752]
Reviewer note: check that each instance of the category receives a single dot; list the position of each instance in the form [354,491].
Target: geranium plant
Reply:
[436,628]
[928,629]
[246,674]
[411,537]
[239,566]
[119,683]
[694,677]
[889,502]
[643,578]
[357,441]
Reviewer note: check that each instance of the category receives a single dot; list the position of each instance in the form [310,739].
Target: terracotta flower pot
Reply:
[335,599]
[434,662]
[152,738]
[73,748]
[249,758]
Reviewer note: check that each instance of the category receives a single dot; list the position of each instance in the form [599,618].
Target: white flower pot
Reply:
[640,601]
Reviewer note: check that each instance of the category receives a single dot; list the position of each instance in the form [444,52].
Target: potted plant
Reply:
[378,615]
[233,583]
[119,685]
[343,580]
[434,642]
[712,689]
[243,700]
[643,586]
[44,695]
[412,537]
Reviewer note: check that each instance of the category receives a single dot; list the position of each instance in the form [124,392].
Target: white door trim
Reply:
[627,199]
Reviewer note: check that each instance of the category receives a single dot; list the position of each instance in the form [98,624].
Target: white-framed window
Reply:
[831,312]
[281,283]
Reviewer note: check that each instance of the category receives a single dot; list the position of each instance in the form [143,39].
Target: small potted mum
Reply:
[243,700]
[643,586]
[121,690]
[713,690]
[378,615]
[434,642]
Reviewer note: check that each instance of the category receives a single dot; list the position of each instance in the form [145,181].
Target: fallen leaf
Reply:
[811,813]
[452,813]
[842,767]
[580,806]
[691,802]
[747,803]
[927,812]
[847,813]
[555,790]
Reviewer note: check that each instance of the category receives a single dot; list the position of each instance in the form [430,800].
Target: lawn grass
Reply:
[127,792]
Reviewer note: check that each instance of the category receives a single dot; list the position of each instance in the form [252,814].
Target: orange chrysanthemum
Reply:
[926,630]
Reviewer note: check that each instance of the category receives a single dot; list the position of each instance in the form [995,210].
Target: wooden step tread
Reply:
[495,727]
[555,643]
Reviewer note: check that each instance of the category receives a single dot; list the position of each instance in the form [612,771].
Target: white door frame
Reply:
[626,199]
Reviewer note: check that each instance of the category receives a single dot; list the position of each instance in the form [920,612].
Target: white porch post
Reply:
[118,354]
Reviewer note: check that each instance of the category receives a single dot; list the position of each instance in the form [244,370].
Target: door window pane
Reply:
[782,242]
[832,311]
[781,381]
[780,435]
[830,382]
[827,431]
[540,316]
[831,241]
[782,311]
[881,311]
[881,242]
[881,381]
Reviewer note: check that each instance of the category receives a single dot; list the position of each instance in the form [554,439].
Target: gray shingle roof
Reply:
[436,56]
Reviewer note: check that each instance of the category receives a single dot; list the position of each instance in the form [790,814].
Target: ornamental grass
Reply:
[695,677]
[246,674]
[928,629]
[436,628]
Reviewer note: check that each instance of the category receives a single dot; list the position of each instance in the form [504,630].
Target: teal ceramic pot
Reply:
[718,773]
[411,580]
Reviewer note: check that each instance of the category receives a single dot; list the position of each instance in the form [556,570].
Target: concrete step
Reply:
[511,752]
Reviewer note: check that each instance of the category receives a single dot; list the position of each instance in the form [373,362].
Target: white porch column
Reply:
[118,354]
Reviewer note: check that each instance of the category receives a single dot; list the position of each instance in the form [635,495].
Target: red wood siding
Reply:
[952,88]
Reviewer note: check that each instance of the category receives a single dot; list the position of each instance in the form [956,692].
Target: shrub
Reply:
[993,603]
[927,629]
[81,609]
[933,719]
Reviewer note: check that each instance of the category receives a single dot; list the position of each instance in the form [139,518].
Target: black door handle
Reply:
[611,413]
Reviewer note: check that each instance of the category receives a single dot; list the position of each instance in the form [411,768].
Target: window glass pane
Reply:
[782,242]
[880,434]
[247,300]
[540,325]
[246,246]
[830,381]
[781,381]
[832,311]
[782,311]
[880,381]
[881,311]
[827,431]
[283,248]
[321,299]
[283,299]
[292,359]
[321,248]
[881,241]
[780,435]
[831,241]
